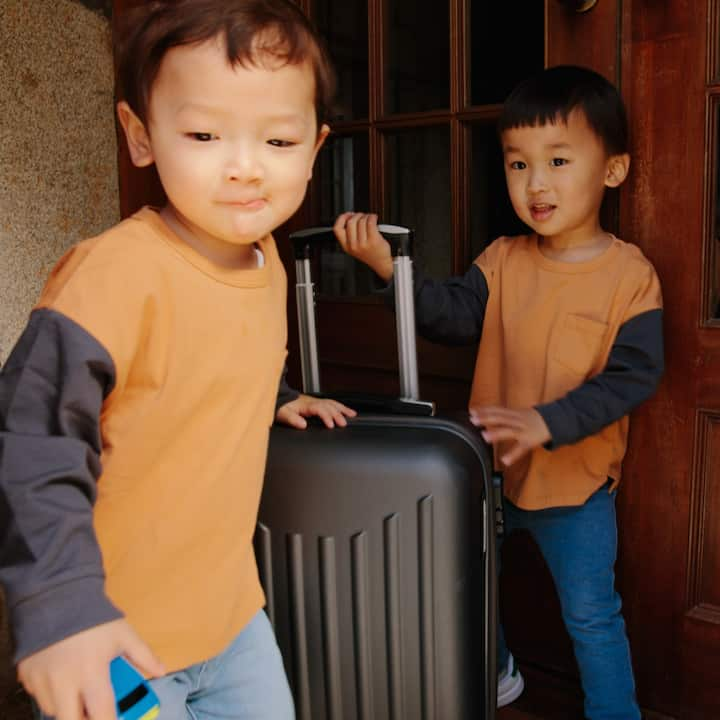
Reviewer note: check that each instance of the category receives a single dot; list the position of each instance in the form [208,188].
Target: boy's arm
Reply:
[51,392]
[632,373]
[452,311]
[66,630]
[449,312]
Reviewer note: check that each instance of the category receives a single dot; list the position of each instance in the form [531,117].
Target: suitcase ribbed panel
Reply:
[361,624]
[391,536]
[264,560]
[331,636]
[298,626]
[426,540]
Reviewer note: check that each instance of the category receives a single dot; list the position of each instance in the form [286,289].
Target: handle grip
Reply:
[306,241]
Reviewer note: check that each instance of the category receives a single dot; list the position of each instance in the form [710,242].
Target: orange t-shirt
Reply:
[549,326]
[198,352]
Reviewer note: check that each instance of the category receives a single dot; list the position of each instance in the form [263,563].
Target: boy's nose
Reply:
[537,181]
[243,165]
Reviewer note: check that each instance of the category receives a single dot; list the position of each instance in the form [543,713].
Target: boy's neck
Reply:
[575,249]
[236,257]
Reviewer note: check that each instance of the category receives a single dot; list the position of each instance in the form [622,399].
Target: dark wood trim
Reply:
[699,482]
[477,113]
[376,103]
[713,38]
[708,276]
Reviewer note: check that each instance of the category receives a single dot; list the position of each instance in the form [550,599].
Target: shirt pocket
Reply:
[579,344]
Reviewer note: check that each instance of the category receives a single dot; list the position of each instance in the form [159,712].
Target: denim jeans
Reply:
[244,682]
[579,545]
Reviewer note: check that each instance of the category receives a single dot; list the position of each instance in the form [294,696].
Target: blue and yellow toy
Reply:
[134,698]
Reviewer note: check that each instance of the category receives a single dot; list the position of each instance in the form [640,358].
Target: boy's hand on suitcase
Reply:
[70,680]
[519,430]
[331,412]
[358,235]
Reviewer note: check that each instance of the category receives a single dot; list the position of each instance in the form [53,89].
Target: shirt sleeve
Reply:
[286,394]
[51,392]
[633,371]
[452,311]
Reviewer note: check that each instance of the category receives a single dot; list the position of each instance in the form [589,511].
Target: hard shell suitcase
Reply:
[376,547]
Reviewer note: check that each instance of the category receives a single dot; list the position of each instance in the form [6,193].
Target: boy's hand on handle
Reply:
[70,680]
[521,430]
[359,237]
[331,412]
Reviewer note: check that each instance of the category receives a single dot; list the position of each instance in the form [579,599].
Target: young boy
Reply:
[136,406]
[569,323]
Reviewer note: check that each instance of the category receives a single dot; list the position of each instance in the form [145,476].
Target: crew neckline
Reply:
[573,268]
[258,276]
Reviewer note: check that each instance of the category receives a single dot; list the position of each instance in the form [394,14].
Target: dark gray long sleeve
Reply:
[51,391]
[630,377]
[286,394]
[452,311]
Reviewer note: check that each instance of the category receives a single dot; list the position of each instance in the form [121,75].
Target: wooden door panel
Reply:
[669,512]
[704,550]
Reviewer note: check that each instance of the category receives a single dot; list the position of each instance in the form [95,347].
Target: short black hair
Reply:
[551,95]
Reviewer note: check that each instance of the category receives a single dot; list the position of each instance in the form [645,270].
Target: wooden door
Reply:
[413,139]
[671,504]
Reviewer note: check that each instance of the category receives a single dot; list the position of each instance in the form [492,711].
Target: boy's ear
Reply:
[617,170]
[136,135]
[321,137]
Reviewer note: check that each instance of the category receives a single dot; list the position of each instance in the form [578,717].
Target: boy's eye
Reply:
[557,162]
[276,142]
[201,136]
[518,165]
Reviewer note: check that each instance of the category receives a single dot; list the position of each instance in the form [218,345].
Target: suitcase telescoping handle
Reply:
[400,240]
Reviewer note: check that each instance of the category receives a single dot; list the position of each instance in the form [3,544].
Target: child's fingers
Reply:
[141,656]
[68,706]
[288,416]
[332,412]
[99,701]
[356,228]
[345,410]
[325,414]
[514,454]
[494,416]
[499,434]
[339,228]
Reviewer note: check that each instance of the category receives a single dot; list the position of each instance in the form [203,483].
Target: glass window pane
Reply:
[343,172]
[343,175]
[417,73]
[344,25]
[494,67]
[492,213]
[418,193]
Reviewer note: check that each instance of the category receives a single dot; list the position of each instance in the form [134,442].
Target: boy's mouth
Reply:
[541,211]
[248,204]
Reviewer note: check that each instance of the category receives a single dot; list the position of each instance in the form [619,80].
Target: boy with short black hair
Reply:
[569,323]
[135,408]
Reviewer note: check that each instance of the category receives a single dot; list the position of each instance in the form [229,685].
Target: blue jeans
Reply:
[579,545]
[244,682]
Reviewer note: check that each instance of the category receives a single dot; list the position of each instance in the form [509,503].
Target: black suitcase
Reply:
[376,548]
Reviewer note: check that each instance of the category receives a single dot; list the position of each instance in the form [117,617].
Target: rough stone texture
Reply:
[58,171]
[58,157]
